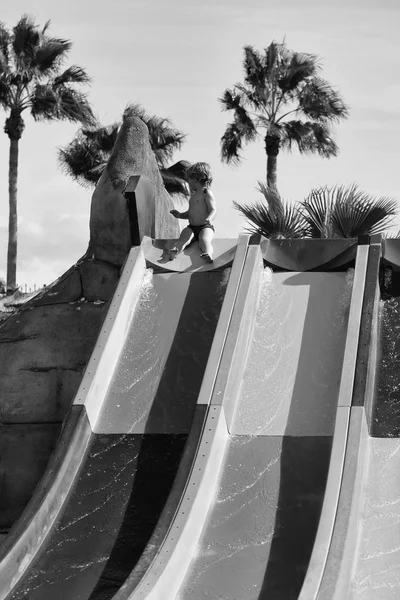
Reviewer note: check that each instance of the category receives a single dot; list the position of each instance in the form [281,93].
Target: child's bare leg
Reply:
[205,242]
[184,239]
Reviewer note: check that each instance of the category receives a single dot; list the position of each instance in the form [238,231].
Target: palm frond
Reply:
[270,224]
[317,212]
[5,39]
[230,99]
[320,101]
[253,97]
[73,74]
[231,144]
[243,129]
[173,184]
[272,198]
[272,56]
[61,103]
[294,133]
[43,101]
[254,68]
[46,26]
[356,212]
[301,67]
[165,139]
[347,211]
[98,137]
[50,55]
[311,138]
[5,96]
[25,40]
[78,162]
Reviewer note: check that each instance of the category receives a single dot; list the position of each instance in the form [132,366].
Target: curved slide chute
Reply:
[218,445]
[357,552]
[247,521]
[128,443]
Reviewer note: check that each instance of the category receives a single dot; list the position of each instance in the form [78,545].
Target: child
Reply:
[200,213]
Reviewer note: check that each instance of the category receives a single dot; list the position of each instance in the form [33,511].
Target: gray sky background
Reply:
[176,58]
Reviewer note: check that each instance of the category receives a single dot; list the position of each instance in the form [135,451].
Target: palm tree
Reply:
[284,99]
[85,158]
[336,212]
[31,79]
[274,218]
[346,212]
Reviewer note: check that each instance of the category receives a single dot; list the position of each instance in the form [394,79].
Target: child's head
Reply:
[201,173]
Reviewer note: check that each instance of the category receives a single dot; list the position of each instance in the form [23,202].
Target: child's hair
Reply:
[201,172]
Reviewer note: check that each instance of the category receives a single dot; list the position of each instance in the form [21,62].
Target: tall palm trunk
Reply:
[13,219]
[272,145]
[13,128]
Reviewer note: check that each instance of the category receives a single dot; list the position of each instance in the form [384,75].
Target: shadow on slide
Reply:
[122,479]
[304,464]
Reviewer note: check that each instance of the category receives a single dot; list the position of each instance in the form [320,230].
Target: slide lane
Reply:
[345,445]
[247,522]
[363,560]
[123,448]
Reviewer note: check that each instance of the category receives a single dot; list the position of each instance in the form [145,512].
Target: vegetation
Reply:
[31,79]
[284,100]
[85,158]
[337,212]
[273,218]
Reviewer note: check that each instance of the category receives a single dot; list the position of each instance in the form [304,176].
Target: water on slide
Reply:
[376,574]
[260,530]
[134,454]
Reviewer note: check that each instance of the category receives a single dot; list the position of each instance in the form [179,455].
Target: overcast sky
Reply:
[176,58]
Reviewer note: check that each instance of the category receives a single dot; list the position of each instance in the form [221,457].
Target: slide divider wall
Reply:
[167,572]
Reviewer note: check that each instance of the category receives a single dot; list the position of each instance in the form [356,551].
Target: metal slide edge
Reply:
[169,568]
[326,525]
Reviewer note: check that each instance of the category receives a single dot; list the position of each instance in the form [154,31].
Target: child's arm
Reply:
[210,203]
[179,215]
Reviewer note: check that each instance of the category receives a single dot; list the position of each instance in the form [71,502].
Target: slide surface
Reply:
[270,347]
[132,441]
[370,565]
[262,522]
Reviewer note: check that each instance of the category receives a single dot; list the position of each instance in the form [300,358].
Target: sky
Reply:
[176,58]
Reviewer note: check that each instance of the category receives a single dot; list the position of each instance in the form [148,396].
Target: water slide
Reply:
[246,525]
[357,550]
[136,418]
[215,446]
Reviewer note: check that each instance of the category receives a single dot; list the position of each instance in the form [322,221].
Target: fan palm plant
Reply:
[31,79]
[336,212]
[346,212]
[274,218]
[284,99]
[85,158]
